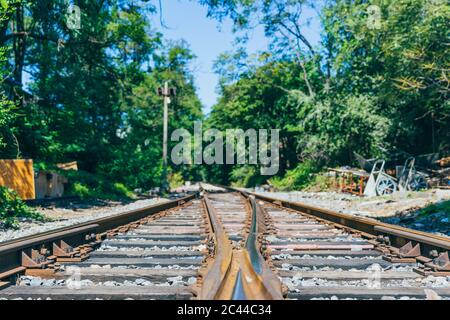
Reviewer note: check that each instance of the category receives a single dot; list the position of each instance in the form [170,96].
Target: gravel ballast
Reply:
[75,216]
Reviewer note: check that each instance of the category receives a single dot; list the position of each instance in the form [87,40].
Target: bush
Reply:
[319,183]
[295,179]
[86,185]
[81,190]
[176,180]
[246,176]
[12,208]
[121,190]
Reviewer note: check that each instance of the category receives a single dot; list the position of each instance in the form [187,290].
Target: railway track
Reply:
[317,260]
[151,253]
[227,245]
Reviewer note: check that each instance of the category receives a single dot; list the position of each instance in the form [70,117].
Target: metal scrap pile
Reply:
[440,176]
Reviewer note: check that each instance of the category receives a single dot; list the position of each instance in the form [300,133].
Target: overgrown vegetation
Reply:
[176,180]
[90,93]
[440,207]
[295,179]
[12,208]
[86,185]
[374,84]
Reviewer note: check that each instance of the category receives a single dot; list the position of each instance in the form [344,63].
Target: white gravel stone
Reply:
[28,229]
[36,282]
[142,282]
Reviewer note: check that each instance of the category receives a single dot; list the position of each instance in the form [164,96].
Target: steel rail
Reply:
[218,278]
[269,279]
[387,233]
[110,222]
[239,274]
[18,254]
[430,249]
[255,280]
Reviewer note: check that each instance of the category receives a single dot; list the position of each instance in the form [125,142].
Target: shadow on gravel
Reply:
[72,203]
[77,203]
[435,218]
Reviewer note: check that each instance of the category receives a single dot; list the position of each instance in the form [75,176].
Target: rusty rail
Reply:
[271,284]
[239,274]
[397,242]
[215,284]
[45,250]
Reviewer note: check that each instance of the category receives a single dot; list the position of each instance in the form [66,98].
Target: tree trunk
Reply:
[19,54]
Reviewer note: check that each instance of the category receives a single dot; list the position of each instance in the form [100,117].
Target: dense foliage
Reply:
[378,82]
[86,91]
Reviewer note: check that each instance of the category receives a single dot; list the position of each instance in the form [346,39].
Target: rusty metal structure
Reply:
[239,273]
[349,180]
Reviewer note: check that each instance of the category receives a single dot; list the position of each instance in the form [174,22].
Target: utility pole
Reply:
[166,135]
[166,93]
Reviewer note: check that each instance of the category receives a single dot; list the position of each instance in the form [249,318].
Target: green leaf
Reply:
[4,4]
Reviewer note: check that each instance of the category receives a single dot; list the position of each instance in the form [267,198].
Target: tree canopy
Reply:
[87,93]
[377,83]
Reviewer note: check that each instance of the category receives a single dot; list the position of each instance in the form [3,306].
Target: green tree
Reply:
[90,90]
[402,59]
[138,158]
[376,84]
[8,112]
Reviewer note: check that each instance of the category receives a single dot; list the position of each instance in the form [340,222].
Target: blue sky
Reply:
[208,39]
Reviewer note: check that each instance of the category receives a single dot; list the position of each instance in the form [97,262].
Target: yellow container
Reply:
[18,175]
